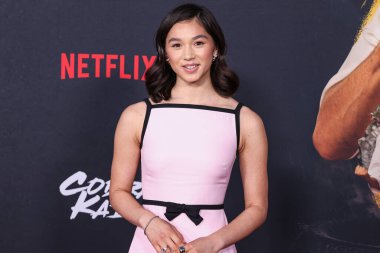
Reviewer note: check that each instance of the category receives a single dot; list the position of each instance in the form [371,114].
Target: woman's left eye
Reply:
[199,43]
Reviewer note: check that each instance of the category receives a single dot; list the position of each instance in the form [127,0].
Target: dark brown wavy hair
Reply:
[160,78]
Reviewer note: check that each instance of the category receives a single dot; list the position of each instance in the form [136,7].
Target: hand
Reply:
[202,245]
[363,173]
[162,234]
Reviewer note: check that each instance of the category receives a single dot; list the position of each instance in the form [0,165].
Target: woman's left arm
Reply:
[253,153]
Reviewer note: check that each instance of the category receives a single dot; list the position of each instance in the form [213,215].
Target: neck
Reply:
[198,92]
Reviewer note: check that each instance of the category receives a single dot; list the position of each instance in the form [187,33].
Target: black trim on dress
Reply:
[146,119]
[193,106]
[237,120]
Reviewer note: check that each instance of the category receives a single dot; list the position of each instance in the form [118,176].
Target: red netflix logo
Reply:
[104,65]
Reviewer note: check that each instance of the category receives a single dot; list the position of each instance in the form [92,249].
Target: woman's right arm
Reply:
[123,170]
[124,166]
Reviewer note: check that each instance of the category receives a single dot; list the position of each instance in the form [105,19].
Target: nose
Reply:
[188,53]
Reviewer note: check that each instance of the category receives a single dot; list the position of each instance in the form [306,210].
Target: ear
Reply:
[214,55]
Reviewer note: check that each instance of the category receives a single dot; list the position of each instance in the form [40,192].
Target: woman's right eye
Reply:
[176,45]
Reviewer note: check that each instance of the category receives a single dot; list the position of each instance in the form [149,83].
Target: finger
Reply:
[165,246]
[176,240]
[189,247]
[176,237]
[186,247]
[157,248]
[174,246]
[180,236]
[171,246]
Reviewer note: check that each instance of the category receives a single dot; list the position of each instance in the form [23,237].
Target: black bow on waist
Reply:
[175,209]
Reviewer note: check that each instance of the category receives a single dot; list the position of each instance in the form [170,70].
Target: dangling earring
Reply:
[214,55]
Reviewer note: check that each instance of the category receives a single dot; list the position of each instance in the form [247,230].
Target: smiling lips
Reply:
[190,68]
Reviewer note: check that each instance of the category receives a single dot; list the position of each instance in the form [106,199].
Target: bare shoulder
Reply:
[250,119]
[251,127]
[132,119]
[133,112]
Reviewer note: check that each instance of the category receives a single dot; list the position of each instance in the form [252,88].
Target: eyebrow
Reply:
[194,38]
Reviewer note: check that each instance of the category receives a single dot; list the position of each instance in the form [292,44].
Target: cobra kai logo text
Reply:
[92,196]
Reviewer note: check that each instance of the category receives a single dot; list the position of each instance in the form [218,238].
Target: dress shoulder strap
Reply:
[146,119]
[147,101]
[237,121]
[238,107]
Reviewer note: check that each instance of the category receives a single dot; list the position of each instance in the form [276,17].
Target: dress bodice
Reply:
[188,151]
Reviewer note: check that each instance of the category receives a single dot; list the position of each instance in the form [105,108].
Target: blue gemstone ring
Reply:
[182,249]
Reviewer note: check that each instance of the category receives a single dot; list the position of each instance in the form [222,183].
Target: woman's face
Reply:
[189,50]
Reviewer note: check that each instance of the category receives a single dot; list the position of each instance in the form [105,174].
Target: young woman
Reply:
[188,133]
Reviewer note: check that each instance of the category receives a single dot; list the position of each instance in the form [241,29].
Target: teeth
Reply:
[190,67]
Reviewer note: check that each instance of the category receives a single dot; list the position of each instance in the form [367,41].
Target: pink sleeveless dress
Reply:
[187,153]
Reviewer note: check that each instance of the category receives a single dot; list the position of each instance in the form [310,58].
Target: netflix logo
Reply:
[105,66]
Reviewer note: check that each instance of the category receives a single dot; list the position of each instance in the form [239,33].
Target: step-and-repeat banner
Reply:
[69,68]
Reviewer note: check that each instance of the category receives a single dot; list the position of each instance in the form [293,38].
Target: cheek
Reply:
[207,57]
[208,52]
[171,54]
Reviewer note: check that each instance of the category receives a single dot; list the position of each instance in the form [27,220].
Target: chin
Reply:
[191,80]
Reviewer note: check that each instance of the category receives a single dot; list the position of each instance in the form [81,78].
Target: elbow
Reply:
[327,152]
[113,199]
[264,216]
[329,149]
[263,213]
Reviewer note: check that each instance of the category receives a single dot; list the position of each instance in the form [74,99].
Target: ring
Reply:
[164,249]
[182,249]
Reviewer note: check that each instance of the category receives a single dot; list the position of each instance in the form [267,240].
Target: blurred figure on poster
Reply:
[348,122]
